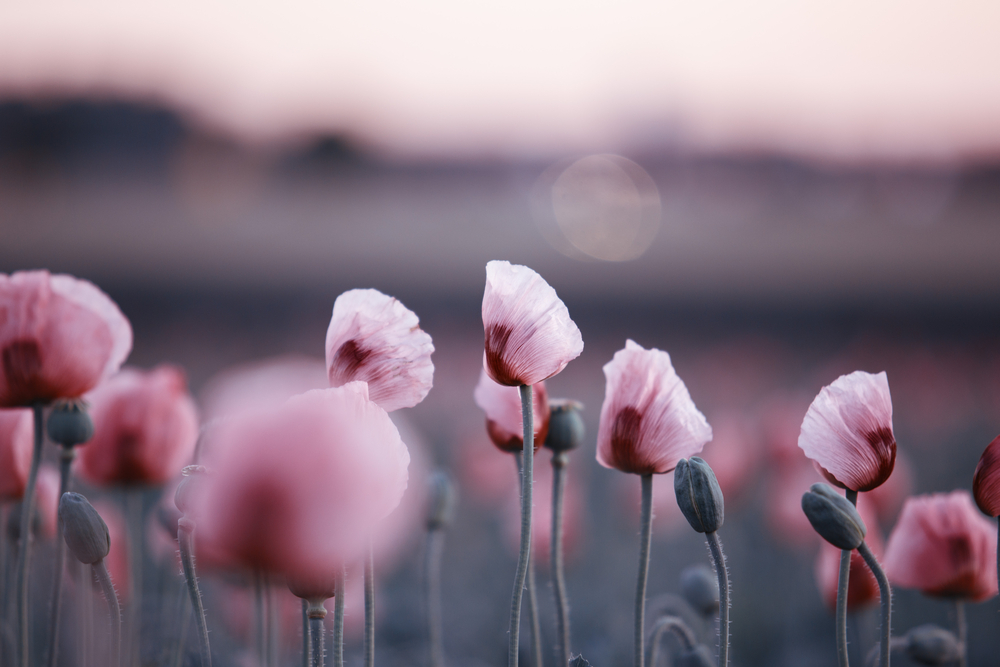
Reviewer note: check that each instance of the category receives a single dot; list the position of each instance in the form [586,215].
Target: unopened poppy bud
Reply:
[699,656]
[187,487]
[441,505]
[699,495]
[69,424]
[86,533]
[578,661]
[565,425]
[700,588]
[834,517]
[931,645]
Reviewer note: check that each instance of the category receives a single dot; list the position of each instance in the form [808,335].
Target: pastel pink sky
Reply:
[849,80]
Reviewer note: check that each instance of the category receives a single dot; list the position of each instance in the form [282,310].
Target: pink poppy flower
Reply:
[145,428]
[17,437]
[257,385]
[529,334]
[374,338]
[502,406]
[944,547]
[847,431]
[47,500]
[862,587]
[298,487]
[648,420]
[59,336]
[986,480]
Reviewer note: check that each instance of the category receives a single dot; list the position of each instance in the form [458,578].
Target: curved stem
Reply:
[845,573]
[963,632]
[432,582]
[338,621]
[640,586]
[885,600]
[108,588]
[715,545]
[24,552]
[522,559]
[673,624]
[559,461]
[185,536]
[369,607]
[66,456]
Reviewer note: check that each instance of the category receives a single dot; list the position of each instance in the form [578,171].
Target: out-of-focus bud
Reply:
[86,533]
[69,424]
[931,645]
[699,656]
[834,517]
[312,588]
[578,661]
[187,488]
[565,425]
[441,503]
[699,495]
[700,588]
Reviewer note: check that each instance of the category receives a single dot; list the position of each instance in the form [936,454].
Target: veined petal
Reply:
[986,480]
[502,406]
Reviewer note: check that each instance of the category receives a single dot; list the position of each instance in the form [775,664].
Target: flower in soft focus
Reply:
[944,547]
[59,337]
[847,431]
[733,453]
[44,521]
[862,587]
[648,420]
[260,384]
[502,406]
[986,480]
[145,428]
[376,339]
[16,442]
[529,334]
[297,488]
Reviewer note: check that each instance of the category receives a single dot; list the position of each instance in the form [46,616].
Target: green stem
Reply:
[673,624]
[523,556]
[185,537]
[640,585]
[108,588]
[24,552]
[845,573]
[963,632]
[432,582]
[369,607]
[715,545]
[885,600]
[338,620]
[559,461]
[533,618]
[66,456]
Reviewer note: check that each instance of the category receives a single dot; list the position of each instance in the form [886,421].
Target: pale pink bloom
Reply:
[847,431]
[374,338]
[145,428]
[59,336]
[944,547]
[888,498]
[257,385]
[17,437]
[529,334]
[297,488]
[648,420]
[986,480]
[862,587]
[502,405]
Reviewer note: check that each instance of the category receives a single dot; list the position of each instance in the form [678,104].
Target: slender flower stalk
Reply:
[715,545]
[533,617]
[369,607]
[177,656]
[136,552]
[885,601]
[963,631]
[559,461]
[260,618]
[316,612]
[66,455]
[527,419]
[842,582]
[306,639]
[185,537]
[24,550]
[673,624]
[114,609]
[646,522]
[338,621]
[442,506]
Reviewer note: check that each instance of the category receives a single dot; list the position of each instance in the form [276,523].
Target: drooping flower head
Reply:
[502,406]
[648,420]
[847,431]
[944,547]
[376,339]
[16,443]
[297,488]
[986,480]
[529,334]
[59,336]
[145,428]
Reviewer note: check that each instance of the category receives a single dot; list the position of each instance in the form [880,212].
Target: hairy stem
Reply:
[369,607]
[640,585]
[185,536]
[136,551]
[845,573]
[108,588]
[963,632]
[338,620]
[885,600]
[177,658]
[715,545]
[673,624]
[66,456]
[432,584]
[513,644]
[533,619]
[316,636]
[24,552]
[559,461]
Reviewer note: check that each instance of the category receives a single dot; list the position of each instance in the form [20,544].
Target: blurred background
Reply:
[775,193]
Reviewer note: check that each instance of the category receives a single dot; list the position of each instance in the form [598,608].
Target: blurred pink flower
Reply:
[297,488]
[648,420]
[262,384]
[847,431]
[944,547]
[529,334]
[47,500]
[783,503]
[733,453]
[145,428]
[862,587]
[59,336]
[502,406]
[17,434]
[374,338]
[986,480]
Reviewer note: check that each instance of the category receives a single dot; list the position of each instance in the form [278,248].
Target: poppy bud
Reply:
[931,645]
[578,661]
[565,425]
[700,588]
[441,508]
[834,517]
[69,424]
[699,656]
[86,533]
[699,495]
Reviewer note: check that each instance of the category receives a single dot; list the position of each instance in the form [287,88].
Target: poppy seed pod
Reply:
[85,531]
[699,656]
[69,424]
[700,588]
[441,505]
[566,428]
[699,495]
[834,517]
[932,645]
